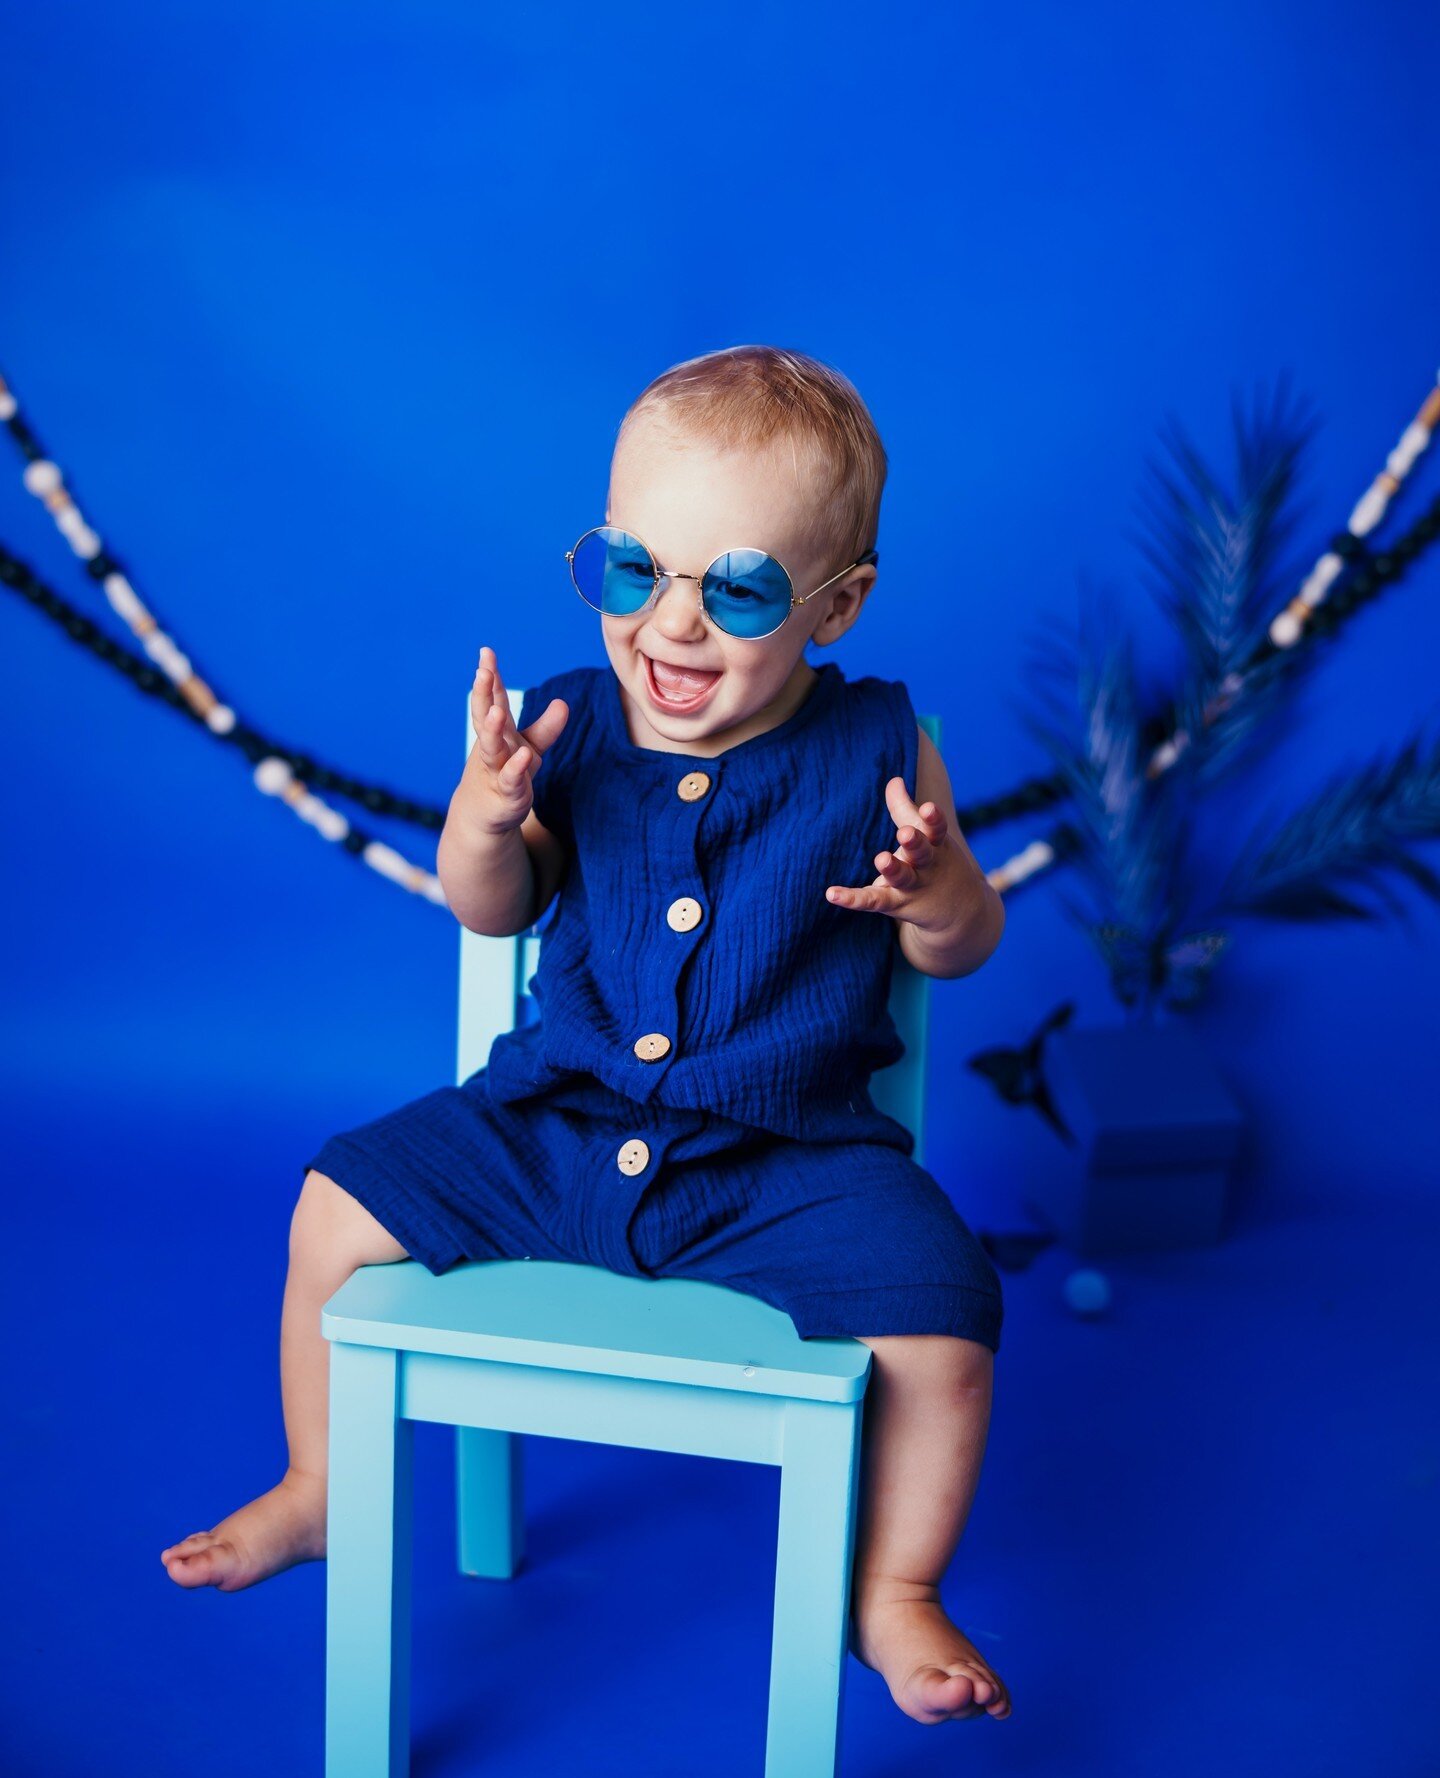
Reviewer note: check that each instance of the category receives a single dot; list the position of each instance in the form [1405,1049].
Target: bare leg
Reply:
[927,1414]
[330,1235]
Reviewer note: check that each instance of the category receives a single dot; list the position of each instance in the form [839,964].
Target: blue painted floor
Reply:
[1205,1541]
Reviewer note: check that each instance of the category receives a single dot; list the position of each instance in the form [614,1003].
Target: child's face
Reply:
[690,503]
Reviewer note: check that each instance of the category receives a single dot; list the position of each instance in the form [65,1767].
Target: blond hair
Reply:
[745,396]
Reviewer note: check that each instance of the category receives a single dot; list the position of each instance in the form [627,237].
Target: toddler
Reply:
[740,852]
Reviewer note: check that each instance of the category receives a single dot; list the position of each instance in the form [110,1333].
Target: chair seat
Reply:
[567,1316]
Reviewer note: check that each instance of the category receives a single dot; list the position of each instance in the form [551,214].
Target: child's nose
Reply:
[677,607]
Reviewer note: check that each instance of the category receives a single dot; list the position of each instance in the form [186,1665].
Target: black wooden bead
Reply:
[25,438]
[1347,545]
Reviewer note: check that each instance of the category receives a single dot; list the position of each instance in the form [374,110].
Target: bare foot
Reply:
[276,1530]
[934,1671]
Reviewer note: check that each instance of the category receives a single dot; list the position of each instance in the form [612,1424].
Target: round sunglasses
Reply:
[745,592]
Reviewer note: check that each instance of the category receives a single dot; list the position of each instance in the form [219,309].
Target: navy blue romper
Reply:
[693,1100]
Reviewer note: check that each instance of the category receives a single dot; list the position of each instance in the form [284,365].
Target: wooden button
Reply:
[684,914]
[634,1156]
[652,1046]
[693,786]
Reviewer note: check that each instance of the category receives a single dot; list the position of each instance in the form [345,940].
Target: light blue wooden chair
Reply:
[505,1347]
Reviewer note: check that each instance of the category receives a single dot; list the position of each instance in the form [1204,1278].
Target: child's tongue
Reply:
[681,679]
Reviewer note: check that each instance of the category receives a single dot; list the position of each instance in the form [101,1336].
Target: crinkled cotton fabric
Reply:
[767,1165]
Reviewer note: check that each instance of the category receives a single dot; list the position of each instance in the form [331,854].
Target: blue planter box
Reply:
[1157,1133]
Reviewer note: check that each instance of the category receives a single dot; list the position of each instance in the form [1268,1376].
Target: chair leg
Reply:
[367,1610]
[819,1483]
[489,1502]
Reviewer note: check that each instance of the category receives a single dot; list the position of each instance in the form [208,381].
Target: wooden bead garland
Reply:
[273,775]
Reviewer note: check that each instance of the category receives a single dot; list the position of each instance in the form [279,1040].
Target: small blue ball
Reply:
[1087,1293]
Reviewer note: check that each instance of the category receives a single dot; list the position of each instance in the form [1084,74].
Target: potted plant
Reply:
[1153,1128]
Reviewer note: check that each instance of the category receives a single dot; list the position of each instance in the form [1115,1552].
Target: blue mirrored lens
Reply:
[746,592]
[613,571]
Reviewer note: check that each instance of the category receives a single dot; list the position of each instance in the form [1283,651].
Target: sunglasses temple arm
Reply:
[871,555]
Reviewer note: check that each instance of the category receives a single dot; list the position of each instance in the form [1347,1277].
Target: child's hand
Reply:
[924,878]
[496,784]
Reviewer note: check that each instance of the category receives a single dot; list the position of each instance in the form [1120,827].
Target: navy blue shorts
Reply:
[848,1238]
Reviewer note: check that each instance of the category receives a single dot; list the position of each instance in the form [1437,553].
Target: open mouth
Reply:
[679,689]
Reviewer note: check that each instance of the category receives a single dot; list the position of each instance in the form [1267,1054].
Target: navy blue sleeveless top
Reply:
[692,960]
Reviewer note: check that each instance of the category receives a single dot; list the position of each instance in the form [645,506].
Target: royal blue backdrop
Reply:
[330,314]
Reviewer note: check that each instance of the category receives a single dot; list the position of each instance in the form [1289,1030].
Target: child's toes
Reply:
[942,1692]
[186,1545]
[985,1691]
[202,1567]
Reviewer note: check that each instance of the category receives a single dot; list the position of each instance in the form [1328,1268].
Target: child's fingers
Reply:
[547,725]
[874,899]
[895,871]
[502,704]
[914,846]
[488,683]
[494,725]
[489,737]
[898,801]
[515,770]
[929,817]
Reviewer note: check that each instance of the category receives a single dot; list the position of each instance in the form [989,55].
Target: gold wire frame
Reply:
[870,555]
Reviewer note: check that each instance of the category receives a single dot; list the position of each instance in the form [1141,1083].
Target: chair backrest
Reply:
[495,975]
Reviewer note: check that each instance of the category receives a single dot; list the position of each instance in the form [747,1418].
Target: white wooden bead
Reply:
[69,520]
[1321,578]
[84,542]
[386,860]
[1285,630]
[168,657]
[42,477]
[1369,510]
[330,822]
[325,820]
[1413,440]
[123,598]
[272,775]
[9,407]
[432,890]
[220,720]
